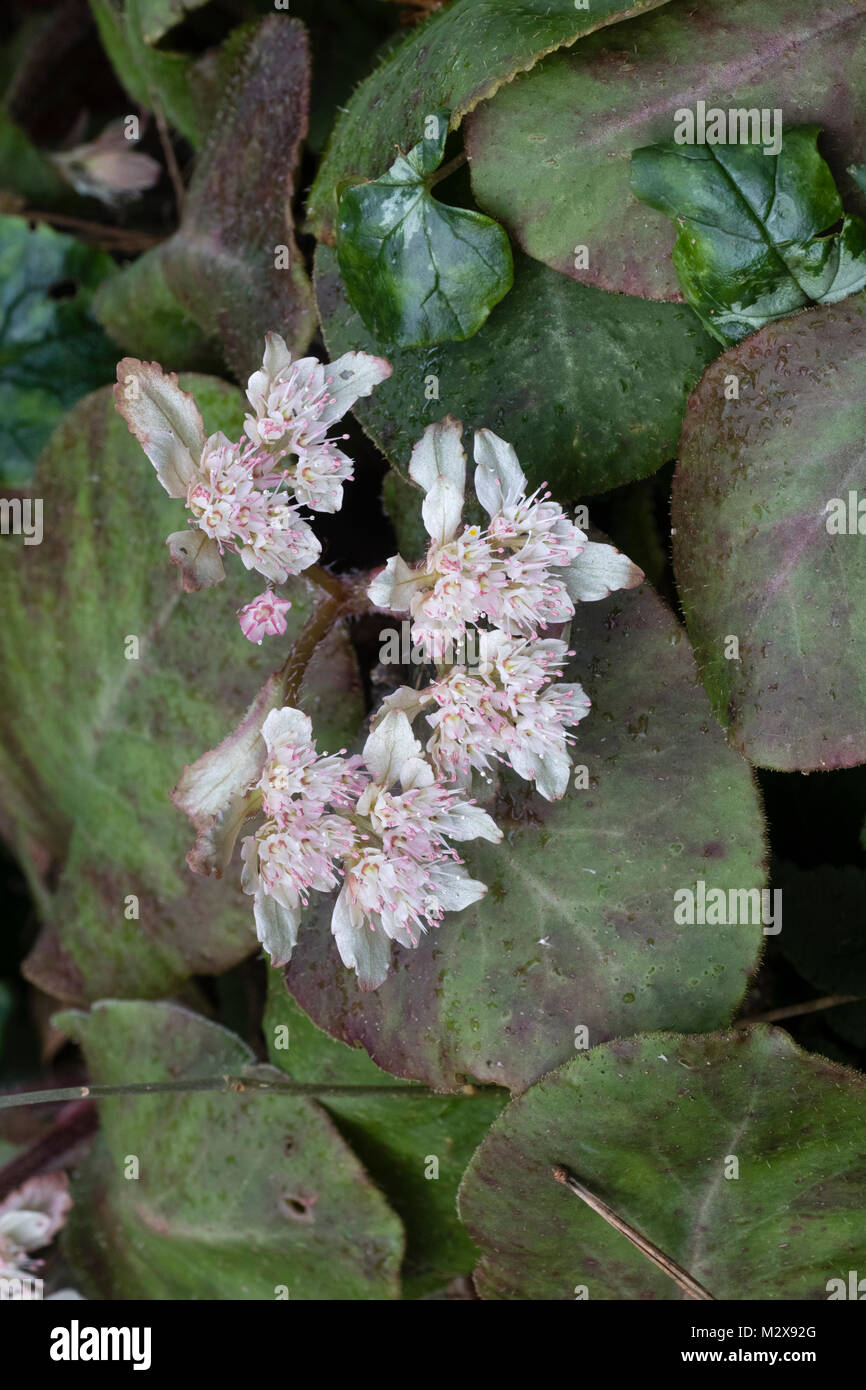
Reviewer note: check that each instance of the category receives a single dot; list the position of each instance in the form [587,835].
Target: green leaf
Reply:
[157,17]
[52,350]
[151,75]
[748,247]
[589,387]
[224,271]
[859,175]
[417,271]
[459,57]
[823,938]
[550,154]
[578,927]
[762,483]
[92,742]
[395,1136]
[650,1126]
[236,1196]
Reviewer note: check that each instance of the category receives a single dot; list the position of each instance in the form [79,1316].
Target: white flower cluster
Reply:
[381,826]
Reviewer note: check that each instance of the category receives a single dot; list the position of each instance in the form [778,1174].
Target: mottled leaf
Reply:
[550,155]
[589,387]
[233,267]
[52,351]
[774,594]
[236,1196]
[651,1126]
[459,57]
[752,241]
[415,1149]
[419,272]
[577,929]
[94,738]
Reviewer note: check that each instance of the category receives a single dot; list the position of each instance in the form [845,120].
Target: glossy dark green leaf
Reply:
[459,57]
[94,737]
[578,927]
[550,154]
[234,1196]
[419,272]
[232,271]
[589,387]
[652,1125]
[415,1149]
[753,243]
[52,350]
[769,524]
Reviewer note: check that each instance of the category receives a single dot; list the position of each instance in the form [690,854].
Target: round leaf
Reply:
[415,1148]
[651,1126]
[234,1196]
[774,594]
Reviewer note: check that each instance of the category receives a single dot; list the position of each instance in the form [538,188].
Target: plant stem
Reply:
[110,238]
[274,1086]
[447,169]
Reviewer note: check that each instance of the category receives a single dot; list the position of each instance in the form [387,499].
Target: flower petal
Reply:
[362,950]
[355,374]
[454,888]
[213,791]
[499,479]
[598,570]
[389,746]
[276,927]
[164,419]
[394,587]
[198,558]
[438,465]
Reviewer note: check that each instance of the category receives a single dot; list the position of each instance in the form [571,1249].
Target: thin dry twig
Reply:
[811,1006]
[680,1276]
[107,237]
[170,156]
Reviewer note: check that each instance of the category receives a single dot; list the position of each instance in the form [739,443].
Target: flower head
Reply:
[245,497]
[407,874]
[381,823]
[520,573]
[508,709]
[296,401]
